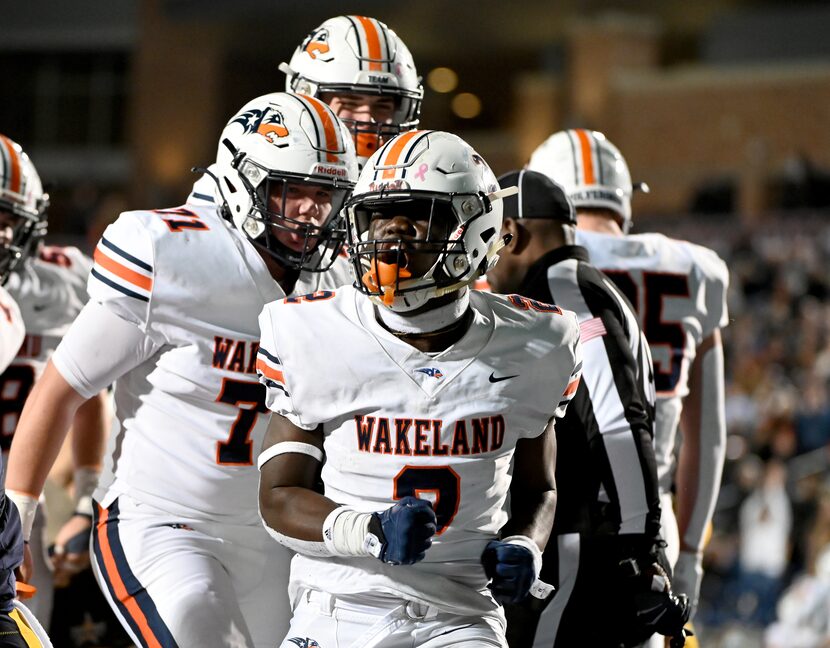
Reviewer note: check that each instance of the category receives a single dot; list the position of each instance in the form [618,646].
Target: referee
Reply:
[605,553]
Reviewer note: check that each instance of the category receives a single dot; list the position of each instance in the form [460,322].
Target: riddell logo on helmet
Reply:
[398,184]
[322,169]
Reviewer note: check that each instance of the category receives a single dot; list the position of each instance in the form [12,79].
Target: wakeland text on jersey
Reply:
[422,437]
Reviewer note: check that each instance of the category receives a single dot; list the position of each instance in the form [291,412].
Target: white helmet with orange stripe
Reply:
[22,207]
[356,55]
[436,179]
[285,166]
[590,168]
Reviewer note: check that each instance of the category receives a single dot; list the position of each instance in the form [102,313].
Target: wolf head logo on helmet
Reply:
[437,179]
[591,169]
[23,206]
[268,122]
[316,44]
[356,55]
[285,165]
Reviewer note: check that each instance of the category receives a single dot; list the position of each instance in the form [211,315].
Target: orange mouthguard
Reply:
[24,590]
[388,275]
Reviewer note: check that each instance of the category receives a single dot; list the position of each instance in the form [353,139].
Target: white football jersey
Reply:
[191,410]
[50,290]
[400,422]
[12,329]
[679,292]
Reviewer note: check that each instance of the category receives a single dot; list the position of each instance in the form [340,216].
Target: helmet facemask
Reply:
[413,268]
[16,234]
[309,242]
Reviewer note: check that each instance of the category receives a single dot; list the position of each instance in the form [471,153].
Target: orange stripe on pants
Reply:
[118,586]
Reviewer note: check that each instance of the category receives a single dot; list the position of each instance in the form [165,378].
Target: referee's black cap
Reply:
[538,197]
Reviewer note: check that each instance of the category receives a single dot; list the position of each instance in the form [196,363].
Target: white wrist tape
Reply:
[287,447]
[346,533]
[27,507]
[86,480]
[305,547]
[539,589]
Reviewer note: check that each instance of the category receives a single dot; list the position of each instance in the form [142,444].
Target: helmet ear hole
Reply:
[487,234]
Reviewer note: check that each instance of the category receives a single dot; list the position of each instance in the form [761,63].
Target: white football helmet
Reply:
[590,168]
[276,144]
[23,206]
[433,176]
[359,55]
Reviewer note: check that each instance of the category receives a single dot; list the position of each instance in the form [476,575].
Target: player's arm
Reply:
[700,461]
[88,438]
[514,562]
[533,489]
[79,369]
[303,520]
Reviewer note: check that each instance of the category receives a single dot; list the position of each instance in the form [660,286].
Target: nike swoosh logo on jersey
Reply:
[40,307]
[493,378]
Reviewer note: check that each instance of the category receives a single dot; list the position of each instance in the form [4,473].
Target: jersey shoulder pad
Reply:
[711,267]
[122,275]
[713,275]
[69,263]
[549,324]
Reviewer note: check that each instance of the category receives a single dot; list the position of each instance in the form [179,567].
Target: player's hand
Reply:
[26,569]
[511,570]
[71,550]
[657,608]
[404,531]
[688,572]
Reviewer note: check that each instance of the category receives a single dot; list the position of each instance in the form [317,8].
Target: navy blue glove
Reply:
[404,531]
[510,569]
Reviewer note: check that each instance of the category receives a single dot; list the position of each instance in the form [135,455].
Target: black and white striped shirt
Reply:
[606,474]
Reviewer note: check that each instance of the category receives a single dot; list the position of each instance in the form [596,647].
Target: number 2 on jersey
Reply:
[442,481]
[238,450]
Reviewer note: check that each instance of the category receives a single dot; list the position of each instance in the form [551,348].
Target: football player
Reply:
[365,72]
[679,292]
[18,626]
[606,535]
[178,548]
[424,397]
[49,285]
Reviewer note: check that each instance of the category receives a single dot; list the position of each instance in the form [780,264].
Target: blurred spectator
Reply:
[804,610]
[765,523]
[812,417]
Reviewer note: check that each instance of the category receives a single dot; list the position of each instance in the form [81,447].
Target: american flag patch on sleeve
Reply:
[591,328]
